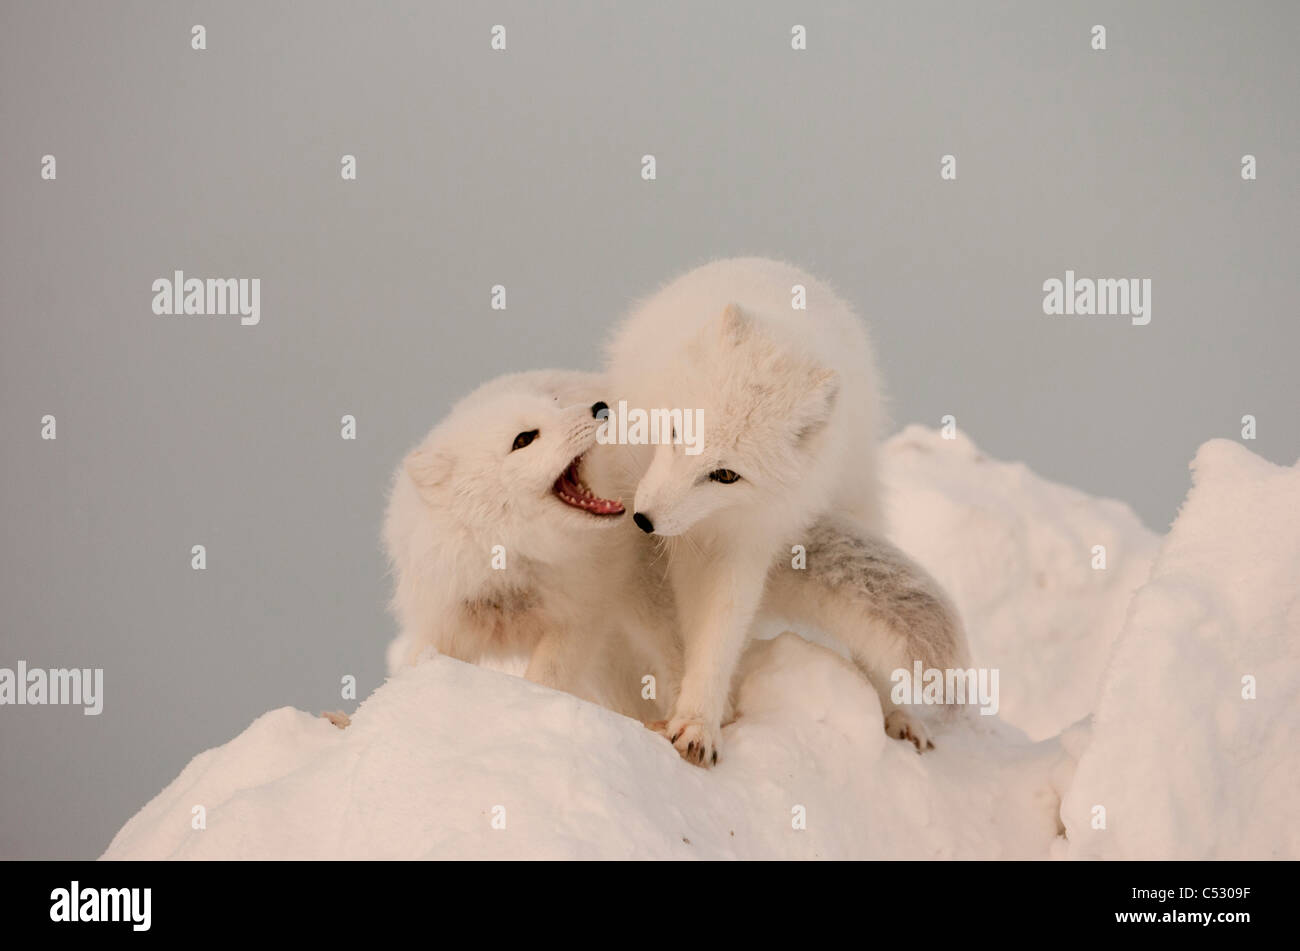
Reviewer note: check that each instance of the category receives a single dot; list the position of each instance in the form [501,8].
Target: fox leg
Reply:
[884,607]
[557,661]
[717,598]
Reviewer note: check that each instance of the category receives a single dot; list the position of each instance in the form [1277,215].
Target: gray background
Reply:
[522,168]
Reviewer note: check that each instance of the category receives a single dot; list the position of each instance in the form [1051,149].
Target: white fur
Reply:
[791,403]
[572,598]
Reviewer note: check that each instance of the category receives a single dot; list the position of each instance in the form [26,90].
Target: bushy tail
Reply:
[866,593]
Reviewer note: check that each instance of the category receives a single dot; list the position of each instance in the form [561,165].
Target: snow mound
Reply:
[444,749]
[1182,762]
[448,760]
[1015,551]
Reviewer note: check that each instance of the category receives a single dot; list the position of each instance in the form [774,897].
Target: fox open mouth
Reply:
[571,490]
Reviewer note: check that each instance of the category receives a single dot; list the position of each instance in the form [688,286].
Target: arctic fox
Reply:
[791,412]
[500,550]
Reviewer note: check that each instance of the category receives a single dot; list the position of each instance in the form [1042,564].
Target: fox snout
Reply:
[672,499]
[657,514]
[659,494]
[599,412]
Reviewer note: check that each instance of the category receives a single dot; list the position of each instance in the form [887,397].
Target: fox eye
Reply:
[523,439]
[725,476]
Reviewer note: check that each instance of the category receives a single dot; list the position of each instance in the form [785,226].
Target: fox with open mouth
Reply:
[501,550]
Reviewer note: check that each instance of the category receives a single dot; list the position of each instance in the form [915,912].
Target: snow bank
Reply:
[443,749]
[1016,553]
[443,753]
[1184,765]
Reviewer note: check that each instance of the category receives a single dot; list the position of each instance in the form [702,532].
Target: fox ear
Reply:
[428,468]
[733,326]
[814,410]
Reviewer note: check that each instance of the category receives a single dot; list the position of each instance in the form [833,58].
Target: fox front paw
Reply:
[697,741]
[902,726]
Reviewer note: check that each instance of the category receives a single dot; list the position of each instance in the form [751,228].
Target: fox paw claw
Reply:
[900,725]
[697,741]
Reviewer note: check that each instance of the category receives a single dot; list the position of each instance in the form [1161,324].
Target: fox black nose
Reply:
[643,523]
[598,408]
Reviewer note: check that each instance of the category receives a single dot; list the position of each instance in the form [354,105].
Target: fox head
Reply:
[765,410]
[505,466]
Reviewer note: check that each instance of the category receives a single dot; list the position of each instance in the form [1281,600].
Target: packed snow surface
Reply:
[1194,746]
[1160,685]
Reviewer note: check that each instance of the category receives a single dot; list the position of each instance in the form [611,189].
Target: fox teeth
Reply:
[572,490]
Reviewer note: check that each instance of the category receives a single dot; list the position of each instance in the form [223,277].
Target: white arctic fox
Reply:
[500,550]
[791,411]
